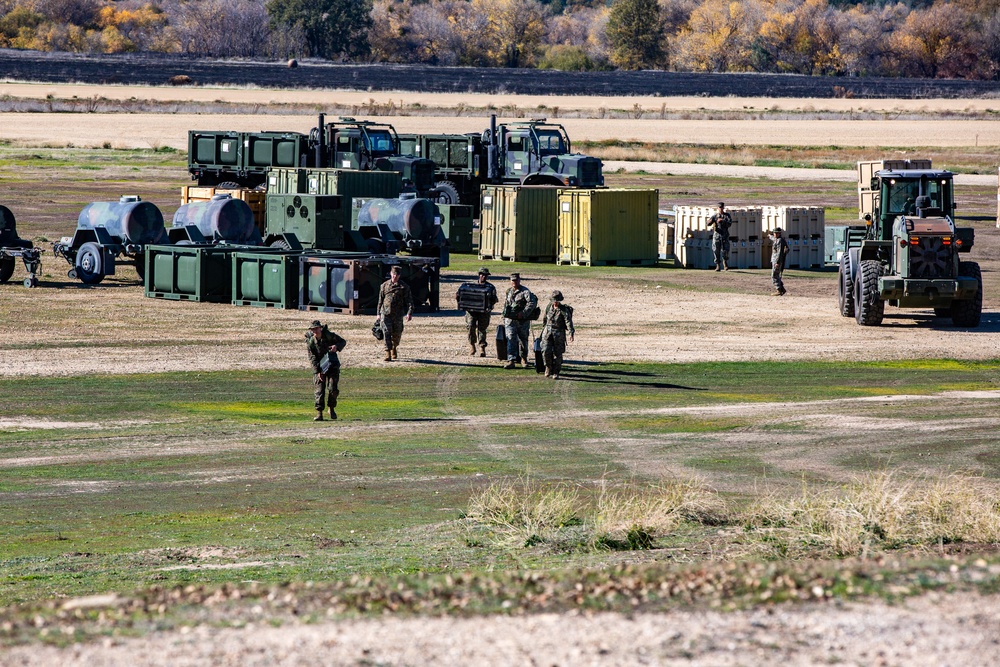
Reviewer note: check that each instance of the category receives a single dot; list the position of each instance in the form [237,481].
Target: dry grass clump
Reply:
[874,513]
[626,517]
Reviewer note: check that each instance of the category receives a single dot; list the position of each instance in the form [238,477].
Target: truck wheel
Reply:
[869,309]
[90,264]
[140,266]
[942,312]
[845,289]
[7,265]
[968,313]
[447,192]
[228,185]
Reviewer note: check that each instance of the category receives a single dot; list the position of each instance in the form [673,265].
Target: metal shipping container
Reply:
[190,272]
[519,222]
[317,221]
[456,223]
[333,284]
[270,150]
[349,183]
[266,279]
[608,227]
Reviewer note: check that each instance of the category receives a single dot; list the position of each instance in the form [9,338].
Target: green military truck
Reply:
[910,255]
[228,159]
[533,152]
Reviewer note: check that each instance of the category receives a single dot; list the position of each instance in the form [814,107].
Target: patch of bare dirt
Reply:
[932,630]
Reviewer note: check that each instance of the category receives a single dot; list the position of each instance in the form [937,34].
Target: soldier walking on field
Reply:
[322,346]
[479,322]
[518,306]
[779,253]
[395,303]
[557,321]
[720,224]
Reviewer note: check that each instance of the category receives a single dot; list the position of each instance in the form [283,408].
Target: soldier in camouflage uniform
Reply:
[557,321]
[779,253]
[720,224]
[518,305]
[478,323]
[395,302]
[321,342]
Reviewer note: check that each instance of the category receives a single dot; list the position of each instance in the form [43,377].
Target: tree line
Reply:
[932,38]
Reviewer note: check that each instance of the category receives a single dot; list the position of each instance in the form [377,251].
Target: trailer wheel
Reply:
[31,281]
[968,313]
[845,289]
[869,309]
[90,264]
[6,269]
[447,193]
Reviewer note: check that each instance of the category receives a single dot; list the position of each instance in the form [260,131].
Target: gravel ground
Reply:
[932,630]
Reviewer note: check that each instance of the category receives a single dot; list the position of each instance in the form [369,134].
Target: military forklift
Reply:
[910,254]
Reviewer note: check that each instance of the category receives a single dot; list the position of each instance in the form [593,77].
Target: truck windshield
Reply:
[380,141]
[902,194]
[550,142]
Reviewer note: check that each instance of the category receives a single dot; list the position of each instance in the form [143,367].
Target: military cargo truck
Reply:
[909,257]
[242,159]
[533,152]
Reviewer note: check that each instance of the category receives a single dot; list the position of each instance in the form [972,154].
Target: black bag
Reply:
[539,359]
[535,314]
[377,330]
[501,343]
[475,298]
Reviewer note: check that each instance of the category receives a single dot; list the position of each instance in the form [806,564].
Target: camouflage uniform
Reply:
[479,323]
[720,238]
[518,304]
[779,253]
[395,303]
[326,384]
[557,322]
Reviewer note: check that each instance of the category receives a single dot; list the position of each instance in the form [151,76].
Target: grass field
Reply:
[164,486]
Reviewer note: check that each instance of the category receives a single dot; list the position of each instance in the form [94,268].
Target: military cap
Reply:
[515,276]
[395,269]
[557,295]
[316,324]
[484,271]
[777,230]
[722,204]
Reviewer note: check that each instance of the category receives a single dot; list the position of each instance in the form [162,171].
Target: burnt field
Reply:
[157,69]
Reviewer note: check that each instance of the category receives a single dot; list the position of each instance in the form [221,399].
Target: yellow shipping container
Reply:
[608,227]
[518,222]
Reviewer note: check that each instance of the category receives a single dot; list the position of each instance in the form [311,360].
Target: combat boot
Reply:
[482,351]
[333,414]
[388,355]
[472,350]
[509,365]
[319,416]
[395,354]
[776,293]
[725,266]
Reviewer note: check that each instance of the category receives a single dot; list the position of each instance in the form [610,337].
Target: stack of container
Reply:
[804,228]
[519,223]
[693,238]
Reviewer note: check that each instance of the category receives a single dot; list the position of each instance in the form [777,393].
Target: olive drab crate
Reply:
[190,272]
[266,279]
[332,284]
[457,224]
[348,183]
[518,222]
[608,227]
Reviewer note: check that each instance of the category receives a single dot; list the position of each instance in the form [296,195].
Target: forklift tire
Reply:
[968,313]
[869,309]
[845,289]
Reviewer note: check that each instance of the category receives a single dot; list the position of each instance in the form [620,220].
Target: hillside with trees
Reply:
[939,39]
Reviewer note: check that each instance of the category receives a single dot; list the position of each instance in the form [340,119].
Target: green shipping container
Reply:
[518,222]
[266,279]
[263,150]
[190,272]
[456,223]
[319,222]
[608,227]
[286,181]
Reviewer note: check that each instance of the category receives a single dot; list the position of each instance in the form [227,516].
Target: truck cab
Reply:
[368,146]
[539,153]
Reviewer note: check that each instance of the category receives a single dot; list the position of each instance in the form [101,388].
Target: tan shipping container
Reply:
[518,222]
[608,227]
[866,171]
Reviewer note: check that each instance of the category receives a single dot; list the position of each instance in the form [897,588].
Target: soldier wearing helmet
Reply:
[557,323]
[322,346]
